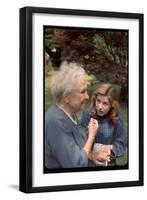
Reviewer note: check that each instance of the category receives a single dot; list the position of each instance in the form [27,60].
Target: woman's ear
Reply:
[66,98]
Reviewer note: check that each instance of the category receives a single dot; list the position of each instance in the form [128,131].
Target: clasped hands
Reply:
[102,157]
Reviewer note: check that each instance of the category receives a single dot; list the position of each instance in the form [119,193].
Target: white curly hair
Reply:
[64,82]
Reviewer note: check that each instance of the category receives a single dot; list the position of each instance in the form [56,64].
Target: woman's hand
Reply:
[93,127]
[108,148]
[100,157]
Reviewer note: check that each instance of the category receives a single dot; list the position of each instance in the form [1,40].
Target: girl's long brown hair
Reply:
[106,89]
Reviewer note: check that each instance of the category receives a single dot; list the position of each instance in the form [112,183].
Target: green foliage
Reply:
[48,96]
[103,53]
[122,160]
[48,64]
[48,37]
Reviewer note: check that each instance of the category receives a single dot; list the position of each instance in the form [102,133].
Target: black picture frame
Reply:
[26,98]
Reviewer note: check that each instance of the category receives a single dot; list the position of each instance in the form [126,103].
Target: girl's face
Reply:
[102,105]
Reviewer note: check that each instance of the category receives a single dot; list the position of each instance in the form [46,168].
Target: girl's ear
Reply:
[115,105]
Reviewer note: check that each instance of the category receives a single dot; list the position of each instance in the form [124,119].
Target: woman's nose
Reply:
[86,96]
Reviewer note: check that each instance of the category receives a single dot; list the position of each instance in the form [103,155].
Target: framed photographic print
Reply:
[108,46]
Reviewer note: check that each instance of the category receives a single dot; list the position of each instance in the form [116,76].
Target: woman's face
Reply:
[102,105]
[78,96]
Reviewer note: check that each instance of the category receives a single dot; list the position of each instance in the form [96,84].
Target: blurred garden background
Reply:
[102,53]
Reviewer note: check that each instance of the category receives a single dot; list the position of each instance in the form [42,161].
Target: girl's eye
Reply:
[98,101]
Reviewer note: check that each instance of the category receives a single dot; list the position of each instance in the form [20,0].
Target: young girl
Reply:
[111,133]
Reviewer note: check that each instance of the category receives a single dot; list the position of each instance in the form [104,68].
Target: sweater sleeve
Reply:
[119,140]
[63,146]
[85,118]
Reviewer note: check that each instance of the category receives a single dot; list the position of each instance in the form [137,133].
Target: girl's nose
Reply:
[100,105]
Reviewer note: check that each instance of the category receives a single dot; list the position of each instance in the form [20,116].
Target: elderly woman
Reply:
[66,143]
